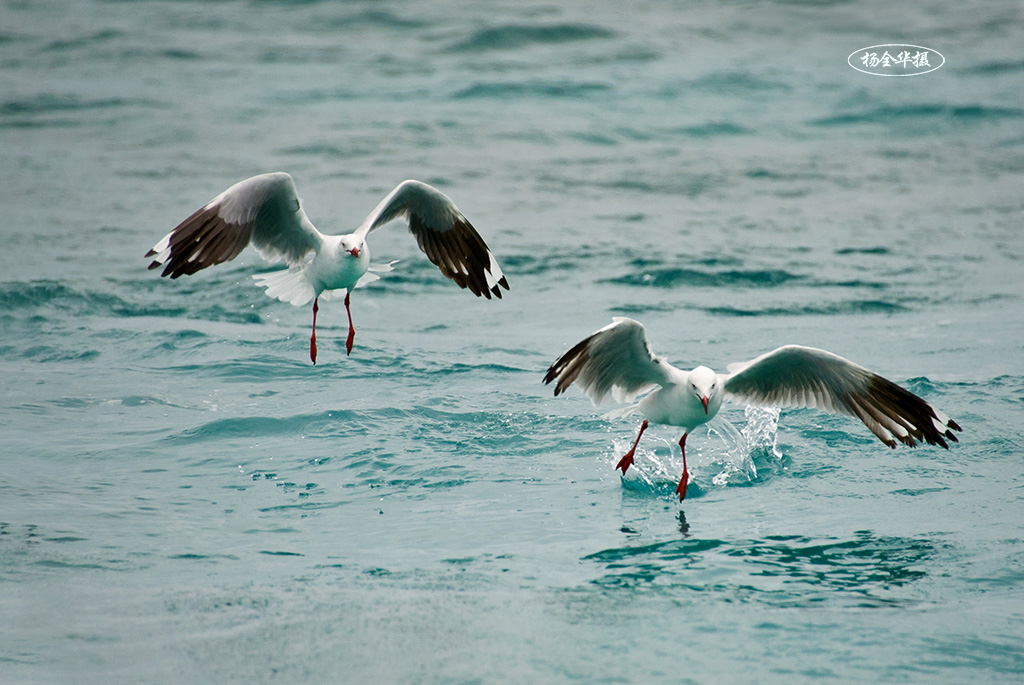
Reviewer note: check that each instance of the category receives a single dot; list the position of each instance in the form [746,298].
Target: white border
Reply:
[893,45]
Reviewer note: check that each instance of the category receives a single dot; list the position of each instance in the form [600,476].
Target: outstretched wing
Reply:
[616,359]
[264,210]
[795,376]
[444,235]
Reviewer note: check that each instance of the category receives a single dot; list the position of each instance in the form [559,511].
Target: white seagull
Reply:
[265,210]
[618,359]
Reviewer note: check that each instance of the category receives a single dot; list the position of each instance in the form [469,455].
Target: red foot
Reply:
[627,460]
[685,479]
[312,338]
[351,329]
[681,488]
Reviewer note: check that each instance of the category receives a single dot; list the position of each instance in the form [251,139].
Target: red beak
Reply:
[704,401]
[354,252]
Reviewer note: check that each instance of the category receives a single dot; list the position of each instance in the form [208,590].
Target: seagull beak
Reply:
[704,400]
[354,252]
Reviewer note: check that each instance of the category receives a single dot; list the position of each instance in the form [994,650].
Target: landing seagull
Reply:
[265,210]
[618,359]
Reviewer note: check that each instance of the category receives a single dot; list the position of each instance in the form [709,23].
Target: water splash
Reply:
[761,431]
[757,439]
[726,453]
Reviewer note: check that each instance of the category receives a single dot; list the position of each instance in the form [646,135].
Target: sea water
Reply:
[185,498]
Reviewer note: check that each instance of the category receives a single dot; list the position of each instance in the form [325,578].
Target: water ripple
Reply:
[39,296]
[43,110]
[674,277]
[512,36]
[900,114]
[526,89]
[825,309]
[781,570]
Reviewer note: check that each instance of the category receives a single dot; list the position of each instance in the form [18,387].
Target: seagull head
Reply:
[704,385]
[352,245]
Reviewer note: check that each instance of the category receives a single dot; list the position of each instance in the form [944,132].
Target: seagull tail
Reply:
[288,285]
[622,412]
[371,273]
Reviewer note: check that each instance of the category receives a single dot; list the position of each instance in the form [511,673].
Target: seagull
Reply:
[618,359]
[265,210]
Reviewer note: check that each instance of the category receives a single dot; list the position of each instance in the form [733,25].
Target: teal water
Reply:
[183,498]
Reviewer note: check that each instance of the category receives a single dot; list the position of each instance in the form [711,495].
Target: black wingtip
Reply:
[550,376]
[496,289]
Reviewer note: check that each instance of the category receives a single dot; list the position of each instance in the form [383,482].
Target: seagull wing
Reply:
[444,235]
[616,359]
[795,376]
[264,210]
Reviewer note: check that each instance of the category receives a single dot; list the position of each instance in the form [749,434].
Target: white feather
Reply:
[366,278]
[290,285]
[382,268]
[622,412]
[493,273]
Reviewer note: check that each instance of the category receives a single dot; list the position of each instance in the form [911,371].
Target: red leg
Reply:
[681,488]
[351,329]
[312,338]
[627,460]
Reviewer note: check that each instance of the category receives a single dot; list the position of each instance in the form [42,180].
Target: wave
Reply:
[996,67]
[41,110]
[736,83]
[35,295]
[96,38]
[494,429]
[779,570]
[674,277]
[516,36]
[713,129]
[38,297]
[876,250]
[367,19]
[824,309]
[370,453]
[728,276]
[525,89]
[920,114]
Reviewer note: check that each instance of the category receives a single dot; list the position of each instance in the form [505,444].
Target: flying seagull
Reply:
[265,210]
[617,359]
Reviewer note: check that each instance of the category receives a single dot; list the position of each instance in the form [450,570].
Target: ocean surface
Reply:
[185,498]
